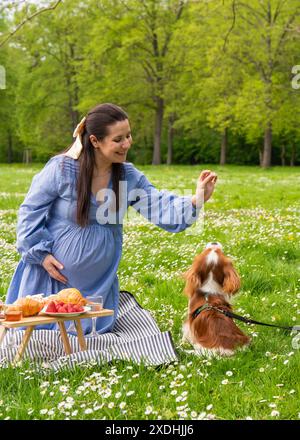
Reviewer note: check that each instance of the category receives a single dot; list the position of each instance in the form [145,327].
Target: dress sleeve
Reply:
[34,241]
[163,208]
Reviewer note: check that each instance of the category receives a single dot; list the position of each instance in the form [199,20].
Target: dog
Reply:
[210,282]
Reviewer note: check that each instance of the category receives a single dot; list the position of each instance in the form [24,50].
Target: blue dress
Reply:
[90,255]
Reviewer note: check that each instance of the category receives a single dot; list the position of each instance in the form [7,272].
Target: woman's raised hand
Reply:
[51,265]
[205,187]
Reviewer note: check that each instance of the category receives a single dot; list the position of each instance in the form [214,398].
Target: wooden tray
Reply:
[43,319]
[33,321]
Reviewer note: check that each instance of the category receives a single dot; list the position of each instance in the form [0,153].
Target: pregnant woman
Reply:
[69,234]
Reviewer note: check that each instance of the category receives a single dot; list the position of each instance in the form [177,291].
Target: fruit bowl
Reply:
[60,309]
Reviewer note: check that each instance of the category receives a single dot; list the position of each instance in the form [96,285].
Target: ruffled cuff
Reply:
[191,212]
[38,253]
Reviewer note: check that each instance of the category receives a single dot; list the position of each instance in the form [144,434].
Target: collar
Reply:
[200,309]
[207,306]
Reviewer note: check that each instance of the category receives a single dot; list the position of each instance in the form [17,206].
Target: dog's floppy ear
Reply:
[232,281]
[193,277]
[193,282]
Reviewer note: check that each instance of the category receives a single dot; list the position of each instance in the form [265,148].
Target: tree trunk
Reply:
[267,153]
[9,147]
[159,114]
[170,140]
[72,87]
[74,117]
[224,143]
[260,153]
[72,102]
[282,155]
[293,156]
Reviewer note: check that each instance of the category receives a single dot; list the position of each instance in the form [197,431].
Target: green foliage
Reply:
[208,69]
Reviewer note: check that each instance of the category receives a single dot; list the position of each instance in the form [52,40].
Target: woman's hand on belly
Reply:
[51,265]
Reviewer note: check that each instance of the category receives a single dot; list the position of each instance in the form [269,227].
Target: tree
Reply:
[160,22]
[27,15]
[209,81]
[47,89]
[258,42]
[10,60]
[137,34]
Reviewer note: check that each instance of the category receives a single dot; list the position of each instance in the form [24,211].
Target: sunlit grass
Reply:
[255,215]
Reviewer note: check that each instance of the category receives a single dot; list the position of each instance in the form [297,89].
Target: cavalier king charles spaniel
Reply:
[210,282]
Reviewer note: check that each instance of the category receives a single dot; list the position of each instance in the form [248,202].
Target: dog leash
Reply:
[239,317]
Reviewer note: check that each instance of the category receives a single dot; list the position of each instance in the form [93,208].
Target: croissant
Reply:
[29,305]
[50,298]
[72,296]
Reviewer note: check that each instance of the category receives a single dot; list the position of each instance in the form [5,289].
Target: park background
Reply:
[206,83]
[202,80]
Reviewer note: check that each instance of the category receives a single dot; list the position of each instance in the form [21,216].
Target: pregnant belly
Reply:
[86,253]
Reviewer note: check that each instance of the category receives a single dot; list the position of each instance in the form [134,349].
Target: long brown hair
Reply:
[97,122]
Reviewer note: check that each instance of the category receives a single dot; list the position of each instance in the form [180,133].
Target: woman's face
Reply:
[114,147]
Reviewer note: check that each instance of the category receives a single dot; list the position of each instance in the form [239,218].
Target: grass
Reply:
[254,213]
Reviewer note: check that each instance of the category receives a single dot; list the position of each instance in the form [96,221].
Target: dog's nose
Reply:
[214,244]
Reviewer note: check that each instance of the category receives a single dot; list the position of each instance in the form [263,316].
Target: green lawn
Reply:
[254,213]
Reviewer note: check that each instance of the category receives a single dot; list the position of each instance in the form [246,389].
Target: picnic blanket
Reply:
[135,337]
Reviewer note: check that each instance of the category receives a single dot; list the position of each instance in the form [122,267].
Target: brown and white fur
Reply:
[212,279]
